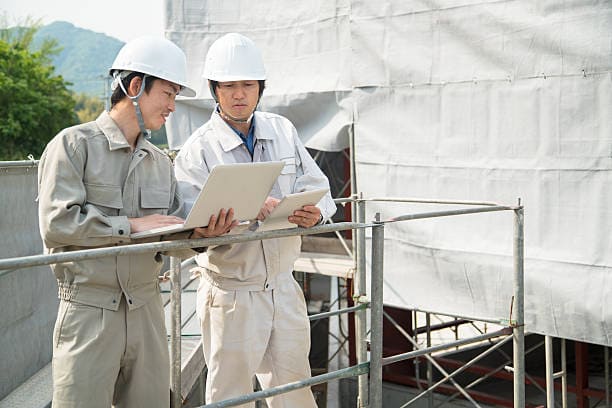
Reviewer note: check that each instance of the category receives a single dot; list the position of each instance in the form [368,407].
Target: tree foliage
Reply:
[35,103]
[87,107]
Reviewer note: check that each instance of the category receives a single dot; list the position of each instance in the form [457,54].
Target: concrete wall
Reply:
[28,297]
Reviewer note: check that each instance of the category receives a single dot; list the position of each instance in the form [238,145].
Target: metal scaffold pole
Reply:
[376,315]
[519,310]
[361,347]
[550,371]
[175,334]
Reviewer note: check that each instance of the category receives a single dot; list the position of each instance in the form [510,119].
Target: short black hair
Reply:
[118,93]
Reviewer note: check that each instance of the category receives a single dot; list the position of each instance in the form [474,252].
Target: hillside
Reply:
[85,57]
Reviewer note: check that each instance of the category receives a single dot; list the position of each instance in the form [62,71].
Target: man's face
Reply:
[238,99]
[157,104]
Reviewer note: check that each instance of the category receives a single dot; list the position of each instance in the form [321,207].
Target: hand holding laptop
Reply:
[241,186]
[217,225]
[306,217]
[297,209]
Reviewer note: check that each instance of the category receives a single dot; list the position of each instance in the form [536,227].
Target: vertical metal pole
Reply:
[607,374]
[563,374]
[175,334]
[417,361]
[353,167]
[361,347]
[550,371]
[582,374]
[430,399]
[519,307]
[358,211]
[376,314]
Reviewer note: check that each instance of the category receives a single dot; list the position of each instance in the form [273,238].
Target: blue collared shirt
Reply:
[249,139]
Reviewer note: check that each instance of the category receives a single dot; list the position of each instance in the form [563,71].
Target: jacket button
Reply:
[130,301]
[120,232]
[114,300]
[267,286]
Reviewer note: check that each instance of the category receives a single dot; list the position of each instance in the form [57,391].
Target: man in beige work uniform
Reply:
[252,311]
[98,183]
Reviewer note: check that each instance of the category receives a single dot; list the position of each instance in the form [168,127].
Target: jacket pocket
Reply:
[107,198]
[286,180]
[154,200]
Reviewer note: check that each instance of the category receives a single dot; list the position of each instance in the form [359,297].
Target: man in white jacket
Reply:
[253,314]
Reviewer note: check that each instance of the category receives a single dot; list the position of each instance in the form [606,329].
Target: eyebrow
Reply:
[175,88]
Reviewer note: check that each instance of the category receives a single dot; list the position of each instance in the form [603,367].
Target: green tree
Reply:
[34,102]
[87,107]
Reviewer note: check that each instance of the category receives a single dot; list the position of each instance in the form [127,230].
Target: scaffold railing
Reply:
[368,370]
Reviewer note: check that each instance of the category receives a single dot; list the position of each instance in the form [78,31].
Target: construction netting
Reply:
[456,99]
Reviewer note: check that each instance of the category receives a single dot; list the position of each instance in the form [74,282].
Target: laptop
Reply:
[241,186]
[277,219]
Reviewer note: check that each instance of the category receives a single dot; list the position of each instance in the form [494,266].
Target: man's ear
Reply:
[135,85]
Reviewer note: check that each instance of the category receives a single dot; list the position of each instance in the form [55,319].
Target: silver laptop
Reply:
[241,186]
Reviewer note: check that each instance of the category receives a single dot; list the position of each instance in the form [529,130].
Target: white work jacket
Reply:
[255,265]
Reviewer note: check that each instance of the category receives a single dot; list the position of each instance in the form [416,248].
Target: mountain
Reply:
[85,57]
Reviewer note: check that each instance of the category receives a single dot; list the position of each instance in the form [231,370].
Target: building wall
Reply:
[28,297]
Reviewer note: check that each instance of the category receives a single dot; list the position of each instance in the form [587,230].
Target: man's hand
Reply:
[217,225]
[307,217]
[153,221]
[267,208]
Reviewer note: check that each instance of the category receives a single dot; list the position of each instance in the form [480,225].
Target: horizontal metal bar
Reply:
[182,290]
[35,260]
[353,371]
[558,374]
[405,356]
[18,163]
[428,201]
[337,312]
[478,319]
[447,213]
[344,200]
[441,326]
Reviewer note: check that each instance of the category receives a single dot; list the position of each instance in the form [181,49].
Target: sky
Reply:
[122,19]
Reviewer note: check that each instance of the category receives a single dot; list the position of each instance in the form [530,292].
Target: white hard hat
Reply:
[234,57]
[157,57]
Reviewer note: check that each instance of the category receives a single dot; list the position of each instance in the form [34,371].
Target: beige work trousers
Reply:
[262,333]
[103,358]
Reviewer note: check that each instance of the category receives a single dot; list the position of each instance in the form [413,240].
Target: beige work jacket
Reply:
[89,183]
[255,265]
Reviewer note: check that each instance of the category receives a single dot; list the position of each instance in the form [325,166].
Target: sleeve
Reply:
[66,216]
[191,174]
[177,208]
[310,177]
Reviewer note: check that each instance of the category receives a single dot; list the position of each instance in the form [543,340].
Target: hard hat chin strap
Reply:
[145,132]
[236,120]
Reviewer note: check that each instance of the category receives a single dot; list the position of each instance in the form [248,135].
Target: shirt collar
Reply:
[114,135]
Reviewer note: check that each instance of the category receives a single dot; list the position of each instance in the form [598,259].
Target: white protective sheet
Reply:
[467,100]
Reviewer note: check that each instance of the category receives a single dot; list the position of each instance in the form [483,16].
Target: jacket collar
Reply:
[229,139]
[114,135]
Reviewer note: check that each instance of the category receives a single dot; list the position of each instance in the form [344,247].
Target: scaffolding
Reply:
[368,369]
